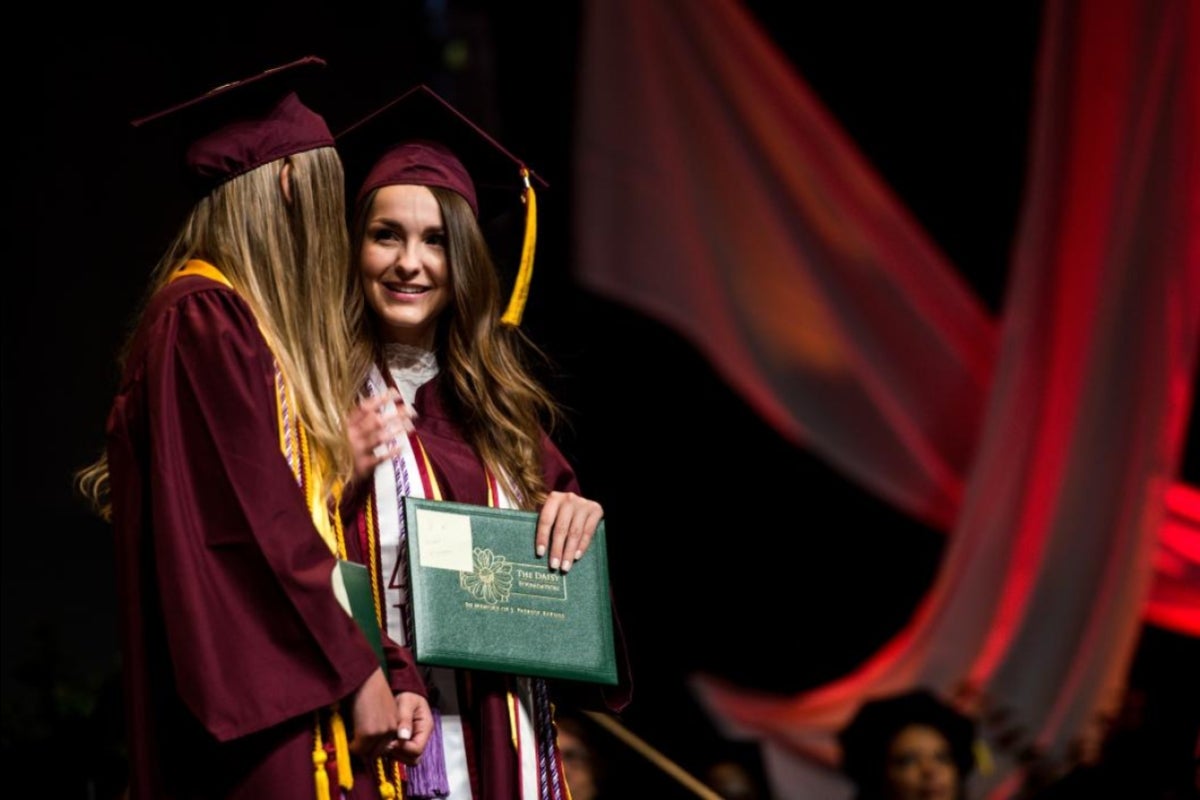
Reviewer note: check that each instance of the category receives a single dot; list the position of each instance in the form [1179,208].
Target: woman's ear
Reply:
[285,180]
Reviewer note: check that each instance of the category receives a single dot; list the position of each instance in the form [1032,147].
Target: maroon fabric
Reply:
[420,139]
[499,772]
[420,163]
[287,128]
[459,471]
[461,478]
[243,124]
[231,635]
[402,677]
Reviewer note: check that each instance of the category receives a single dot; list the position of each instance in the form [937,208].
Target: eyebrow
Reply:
[395,224]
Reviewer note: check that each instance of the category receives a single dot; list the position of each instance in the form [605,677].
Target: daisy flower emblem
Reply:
[492,579]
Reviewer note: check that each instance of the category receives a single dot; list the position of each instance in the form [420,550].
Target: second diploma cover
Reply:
[481,600]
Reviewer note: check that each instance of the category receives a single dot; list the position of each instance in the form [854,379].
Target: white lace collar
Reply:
[411,367]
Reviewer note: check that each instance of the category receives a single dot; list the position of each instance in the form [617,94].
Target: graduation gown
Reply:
[231,636]
[482,697]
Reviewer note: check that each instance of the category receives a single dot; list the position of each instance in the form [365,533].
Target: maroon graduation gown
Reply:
[461,478]
[231,635]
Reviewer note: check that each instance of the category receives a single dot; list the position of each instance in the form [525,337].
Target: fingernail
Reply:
[554,563]
[405,733]
[567,565]
[578,554]
[541,550]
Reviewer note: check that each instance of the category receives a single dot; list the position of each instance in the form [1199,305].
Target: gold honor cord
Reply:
[652,755]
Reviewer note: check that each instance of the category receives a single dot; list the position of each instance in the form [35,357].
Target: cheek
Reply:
[903,774]
[949,771]
[368,280]
[439,271]
[372,262]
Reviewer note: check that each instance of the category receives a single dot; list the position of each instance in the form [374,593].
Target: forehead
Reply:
[918,737]
[404,201]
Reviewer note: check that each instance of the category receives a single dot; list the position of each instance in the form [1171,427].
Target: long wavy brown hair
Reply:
[287,261]
[487,365]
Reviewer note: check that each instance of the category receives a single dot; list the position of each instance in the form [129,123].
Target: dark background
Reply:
[936,99]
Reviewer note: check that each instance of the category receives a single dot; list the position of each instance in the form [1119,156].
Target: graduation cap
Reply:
[241,125]
[420,139]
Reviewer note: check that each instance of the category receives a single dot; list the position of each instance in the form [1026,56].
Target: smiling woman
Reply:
[431,333]
[403,264]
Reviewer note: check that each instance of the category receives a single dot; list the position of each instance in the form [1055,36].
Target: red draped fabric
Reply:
[720,198]
[717,195]
[1175,594]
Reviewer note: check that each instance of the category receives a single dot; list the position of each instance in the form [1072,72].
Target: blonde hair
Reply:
[286,259]
[496,398]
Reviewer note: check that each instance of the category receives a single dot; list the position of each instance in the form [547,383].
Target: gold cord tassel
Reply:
[389,790]
[514,716]
[520,292]
[320,776]
[341,751]
[398,775]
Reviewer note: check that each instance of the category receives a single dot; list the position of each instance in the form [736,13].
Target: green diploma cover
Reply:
[352,587]
[480,599]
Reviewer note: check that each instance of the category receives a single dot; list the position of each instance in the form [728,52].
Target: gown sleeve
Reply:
[254,631]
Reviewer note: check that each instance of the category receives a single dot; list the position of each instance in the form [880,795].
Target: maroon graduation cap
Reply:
[421,139]
[238,126]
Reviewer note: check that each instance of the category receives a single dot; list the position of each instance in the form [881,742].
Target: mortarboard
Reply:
[241,125]
[420,139]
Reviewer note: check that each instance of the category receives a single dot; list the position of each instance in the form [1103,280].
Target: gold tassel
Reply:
[341,751]
[520,292]
[388,791]
[320,776]
[983,758]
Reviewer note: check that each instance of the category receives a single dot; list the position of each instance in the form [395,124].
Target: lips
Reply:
[404,289]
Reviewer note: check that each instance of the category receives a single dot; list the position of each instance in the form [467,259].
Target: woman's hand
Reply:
[416,724]
[565,528]
[376,427]
[375,718]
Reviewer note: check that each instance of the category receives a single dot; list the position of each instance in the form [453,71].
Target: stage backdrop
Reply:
[714,193]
